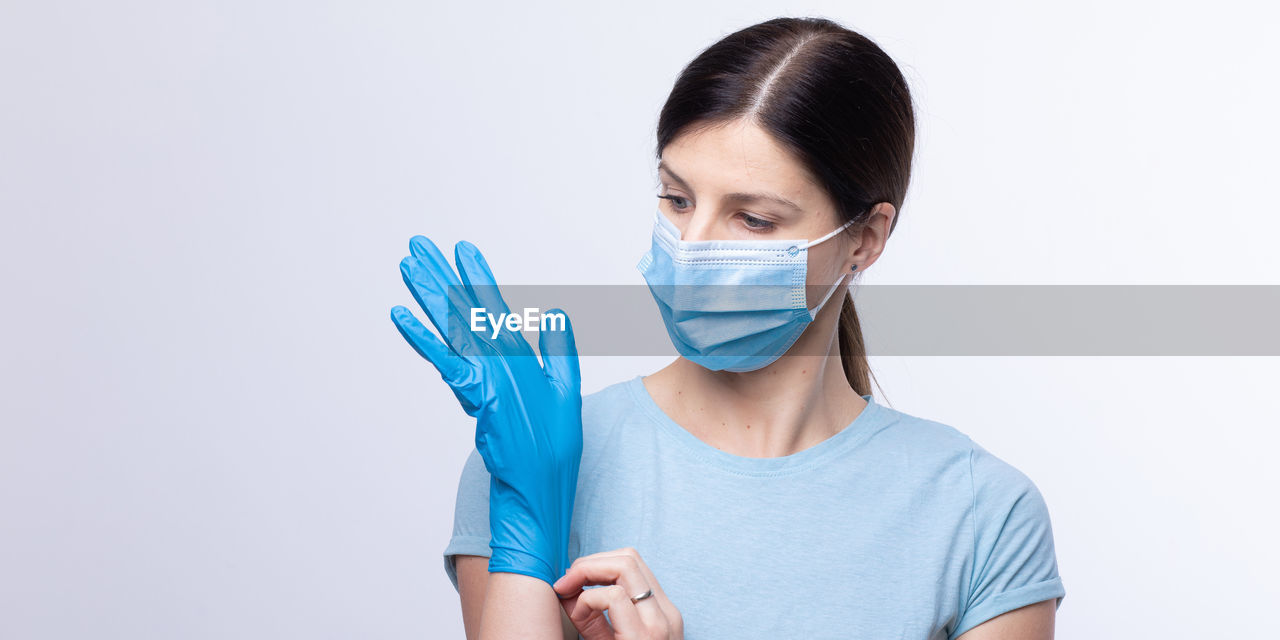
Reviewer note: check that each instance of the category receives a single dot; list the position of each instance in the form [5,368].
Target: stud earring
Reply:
[853,268]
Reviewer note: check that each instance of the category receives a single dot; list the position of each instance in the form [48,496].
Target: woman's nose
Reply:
[699,226]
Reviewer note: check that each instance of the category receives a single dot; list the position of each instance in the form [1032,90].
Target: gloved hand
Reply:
[528,416]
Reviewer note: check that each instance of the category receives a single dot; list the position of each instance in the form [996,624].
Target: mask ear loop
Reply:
[795,248]
[814,311]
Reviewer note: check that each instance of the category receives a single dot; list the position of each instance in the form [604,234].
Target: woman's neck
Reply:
[790,405]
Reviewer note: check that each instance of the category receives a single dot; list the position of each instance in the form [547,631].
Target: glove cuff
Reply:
[509,560]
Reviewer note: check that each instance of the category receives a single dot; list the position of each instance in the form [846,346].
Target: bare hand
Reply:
[625,573]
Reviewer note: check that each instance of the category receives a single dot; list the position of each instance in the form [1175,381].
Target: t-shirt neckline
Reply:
[862,426]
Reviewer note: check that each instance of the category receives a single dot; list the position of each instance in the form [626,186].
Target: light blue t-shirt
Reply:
[897,527]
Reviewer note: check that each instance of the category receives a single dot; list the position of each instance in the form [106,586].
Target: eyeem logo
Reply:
[531,320]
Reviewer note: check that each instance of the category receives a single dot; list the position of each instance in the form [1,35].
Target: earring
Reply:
[853,268]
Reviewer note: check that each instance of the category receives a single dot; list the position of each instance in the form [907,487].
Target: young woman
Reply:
[753,488]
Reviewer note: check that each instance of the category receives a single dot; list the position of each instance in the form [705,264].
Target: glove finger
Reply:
[427,285]
[459,373]
[426,251]
[478,278]
[422,248]
[560,352]
[451,366]
[480,283]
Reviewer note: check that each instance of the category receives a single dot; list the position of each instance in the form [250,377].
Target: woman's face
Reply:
[734,182]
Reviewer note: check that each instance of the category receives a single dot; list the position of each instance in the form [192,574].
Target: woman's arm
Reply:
[528,430]
[1032,622]
[521,606]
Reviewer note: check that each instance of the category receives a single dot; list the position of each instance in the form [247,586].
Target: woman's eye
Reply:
[756,224]
[679,203]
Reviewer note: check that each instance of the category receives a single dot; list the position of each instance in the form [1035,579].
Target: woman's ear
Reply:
[872,236]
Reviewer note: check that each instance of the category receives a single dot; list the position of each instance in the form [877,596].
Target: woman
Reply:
[736,493]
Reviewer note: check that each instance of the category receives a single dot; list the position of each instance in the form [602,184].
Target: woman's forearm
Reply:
[520,606]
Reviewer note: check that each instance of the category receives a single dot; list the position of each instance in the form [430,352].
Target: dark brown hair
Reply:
[830,96]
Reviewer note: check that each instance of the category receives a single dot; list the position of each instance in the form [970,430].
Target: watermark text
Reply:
[531,319]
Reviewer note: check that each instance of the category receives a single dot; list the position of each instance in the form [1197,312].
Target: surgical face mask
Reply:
[731,305]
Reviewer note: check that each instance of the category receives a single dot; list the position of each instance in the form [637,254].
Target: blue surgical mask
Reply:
[731,305]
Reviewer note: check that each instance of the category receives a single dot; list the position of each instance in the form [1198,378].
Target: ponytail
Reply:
[853,352]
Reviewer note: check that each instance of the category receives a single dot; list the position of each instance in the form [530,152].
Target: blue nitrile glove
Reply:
[528,416]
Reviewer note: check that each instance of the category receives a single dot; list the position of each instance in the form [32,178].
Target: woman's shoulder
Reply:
[924,436]
[609,400]
[920,436]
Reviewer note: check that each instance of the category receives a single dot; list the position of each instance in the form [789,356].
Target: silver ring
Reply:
[647,594]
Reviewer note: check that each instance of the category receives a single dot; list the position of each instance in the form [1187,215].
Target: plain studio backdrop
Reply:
[210,427]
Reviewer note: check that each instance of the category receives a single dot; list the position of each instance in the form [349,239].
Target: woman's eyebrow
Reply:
[664,168]
[754,197]
[737,196]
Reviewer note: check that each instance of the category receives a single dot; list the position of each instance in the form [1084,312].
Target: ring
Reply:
[647,594]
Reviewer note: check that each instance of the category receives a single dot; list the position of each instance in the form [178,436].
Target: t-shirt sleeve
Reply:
[1014,562]
[470,516]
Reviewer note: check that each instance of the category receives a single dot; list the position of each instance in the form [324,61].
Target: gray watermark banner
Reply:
[904,320]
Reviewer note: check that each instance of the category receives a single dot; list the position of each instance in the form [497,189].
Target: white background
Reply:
[211,428]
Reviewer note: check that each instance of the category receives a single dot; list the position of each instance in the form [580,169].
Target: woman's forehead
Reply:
[739,157]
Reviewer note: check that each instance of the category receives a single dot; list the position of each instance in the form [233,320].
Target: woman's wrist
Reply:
[526,536]
[529,524]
